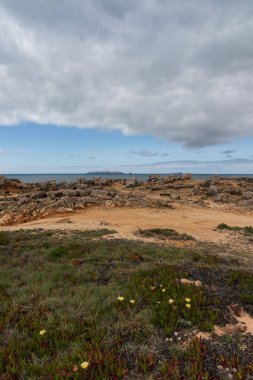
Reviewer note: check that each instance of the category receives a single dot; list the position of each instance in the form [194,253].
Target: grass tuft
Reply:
[248,230]
[4,238]
[164,233]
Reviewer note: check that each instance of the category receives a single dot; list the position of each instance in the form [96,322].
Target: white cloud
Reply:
[179,69]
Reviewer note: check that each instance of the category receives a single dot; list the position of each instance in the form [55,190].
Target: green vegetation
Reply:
[4,240]
[191,364]
[169,301]
[244,282]
[164,233]
[246,230]
[96,233]
[76,307]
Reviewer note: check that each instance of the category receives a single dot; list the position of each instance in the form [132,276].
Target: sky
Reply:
[137,86]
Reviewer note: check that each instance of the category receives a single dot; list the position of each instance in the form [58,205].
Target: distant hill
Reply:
[104,173]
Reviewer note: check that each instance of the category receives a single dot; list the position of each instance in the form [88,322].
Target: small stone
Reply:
[176,333]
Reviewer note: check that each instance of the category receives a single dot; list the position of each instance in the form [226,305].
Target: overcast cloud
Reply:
[181,70]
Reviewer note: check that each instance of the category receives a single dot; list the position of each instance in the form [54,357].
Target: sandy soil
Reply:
[196,221]
[244,324]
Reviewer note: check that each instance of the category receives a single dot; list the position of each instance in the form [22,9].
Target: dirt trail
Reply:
[198,222]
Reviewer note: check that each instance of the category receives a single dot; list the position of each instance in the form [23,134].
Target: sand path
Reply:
[196,221]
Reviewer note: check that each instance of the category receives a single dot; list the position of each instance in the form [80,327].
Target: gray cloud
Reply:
[180,70]
[228,151]
[148,153]
[233,166]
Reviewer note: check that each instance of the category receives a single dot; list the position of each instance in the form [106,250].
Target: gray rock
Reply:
[196,190]
[222,197]
[234,191]
[175,197]
[248,195]
[100,193]
[88,200]
[213,191]
[133,182]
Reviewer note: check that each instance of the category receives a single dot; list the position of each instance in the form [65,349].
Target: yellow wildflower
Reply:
[163,290]
[187,300]
[132,301]
[42,332]
[84,365]
[188,305]
[120,298]
[171,301]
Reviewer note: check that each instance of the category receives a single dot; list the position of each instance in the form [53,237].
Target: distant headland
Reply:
[104,173]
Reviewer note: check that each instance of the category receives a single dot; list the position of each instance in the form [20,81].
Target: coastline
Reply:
[34,178]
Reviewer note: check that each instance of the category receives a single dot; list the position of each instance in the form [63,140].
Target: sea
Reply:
[34,178]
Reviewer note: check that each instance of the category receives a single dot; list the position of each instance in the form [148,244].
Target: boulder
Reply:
[206,183]
[245,202]
[213,191]
[234,191]
[6,220]
[175,197]
[248,195]
[186,176]
[222,197]
[87,200]
[196,190]
[133,182]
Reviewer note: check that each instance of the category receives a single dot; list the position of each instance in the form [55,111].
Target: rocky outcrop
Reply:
[34,201]
[235,190]
[213,191]
[161,180]
[9,185]
[22,202]
[133,182]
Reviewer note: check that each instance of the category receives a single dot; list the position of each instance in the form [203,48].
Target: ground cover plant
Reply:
[248,230]
[74,305]
[164,233]
[3,238]
[244,281]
